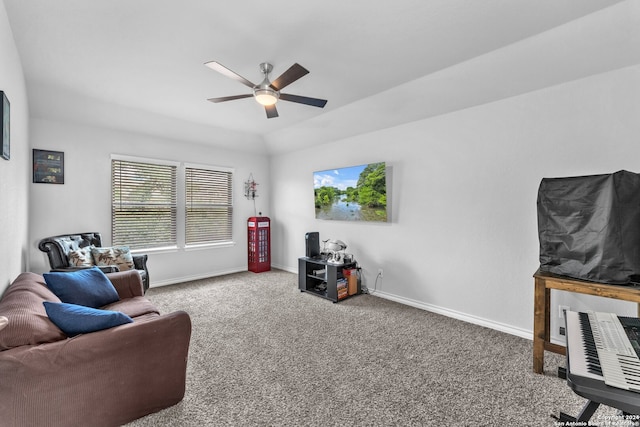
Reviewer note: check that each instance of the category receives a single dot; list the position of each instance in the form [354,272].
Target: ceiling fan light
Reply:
[266,96]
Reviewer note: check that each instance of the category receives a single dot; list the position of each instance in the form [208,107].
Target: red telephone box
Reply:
[259,234]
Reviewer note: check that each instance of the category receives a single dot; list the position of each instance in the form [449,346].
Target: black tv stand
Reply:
[320,278]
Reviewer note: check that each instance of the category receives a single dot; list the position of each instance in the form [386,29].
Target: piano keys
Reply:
[602,357]
[607,352]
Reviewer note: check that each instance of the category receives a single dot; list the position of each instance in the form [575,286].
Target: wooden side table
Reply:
[544,282]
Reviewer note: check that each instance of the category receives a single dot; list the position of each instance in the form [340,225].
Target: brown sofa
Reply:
[104,378]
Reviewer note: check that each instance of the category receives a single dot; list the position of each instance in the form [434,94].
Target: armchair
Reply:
[62,251]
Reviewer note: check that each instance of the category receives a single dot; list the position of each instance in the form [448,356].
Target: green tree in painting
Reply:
[352,194]
[371,189]
[325,195]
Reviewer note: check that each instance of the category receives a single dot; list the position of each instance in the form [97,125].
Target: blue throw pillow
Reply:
[75,319]
[90,287]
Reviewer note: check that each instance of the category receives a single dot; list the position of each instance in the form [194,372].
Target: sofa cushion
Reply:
[116,255]
[81,257]
[133,307]
[75,319]
[89,287]
[28,323]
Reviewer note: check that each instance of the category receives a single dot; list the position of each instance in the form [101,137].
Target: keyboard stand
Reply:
[585,415]
[596,392]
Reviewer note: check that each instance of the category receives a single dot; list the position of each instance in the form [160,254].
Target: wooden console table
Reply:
[544,282]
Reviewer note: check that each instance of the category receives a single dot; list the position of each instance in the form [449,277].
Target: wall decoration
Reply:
[48,167]
[356,193]
[250,188]
[5,134]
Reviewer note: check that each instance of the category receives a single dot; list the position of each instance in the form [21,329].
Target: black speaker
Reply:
[312,240]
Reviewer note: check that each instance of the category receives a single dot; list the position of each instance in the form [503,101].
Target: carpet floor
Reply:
[264,354]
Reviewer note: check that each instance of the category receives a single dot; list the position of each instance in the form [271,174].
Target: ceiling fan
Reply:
[268,93]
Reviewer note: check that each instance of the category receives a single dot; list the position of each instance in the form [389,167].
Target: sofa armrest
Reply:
[128,283]
[110,377]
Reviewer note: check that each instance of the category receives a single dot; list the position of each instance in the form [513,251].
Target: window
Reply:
[208,205]
[143,204]
[148,202]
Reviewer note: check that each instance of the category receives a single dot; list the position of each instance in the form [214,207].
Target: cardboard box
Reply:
[352,280]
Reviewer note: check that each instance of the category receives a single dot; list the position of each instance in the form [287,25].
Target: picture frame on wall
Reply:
[354,193]
[5,130]
[48,167]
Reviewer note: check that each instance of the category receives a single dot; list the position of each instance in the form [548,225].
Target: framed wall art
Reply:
[48,167]
[356,193]
[4,131]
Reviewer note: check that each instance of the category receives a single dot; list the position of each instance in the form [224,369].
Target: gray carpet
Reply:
[263,353]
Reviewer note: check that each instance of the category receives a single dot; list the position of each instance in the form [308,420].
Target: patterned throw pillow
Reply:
[81,257]
[116,255]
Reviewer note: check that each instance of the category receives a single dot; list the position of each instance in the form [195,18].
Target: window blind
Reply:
[144,204]
[208,206]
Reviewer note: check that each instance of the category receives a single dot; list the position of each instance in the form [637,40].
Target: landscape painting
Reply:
[356,193]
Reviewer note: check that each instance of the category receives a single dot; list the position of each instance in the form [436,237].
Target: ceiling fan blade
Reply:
[227,72]
[315,102]
[271,111]
[291,75]
[229,98]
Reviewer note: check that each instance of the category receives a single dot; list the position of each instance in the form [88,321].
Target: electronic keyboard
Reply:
[602,363]
[606,348]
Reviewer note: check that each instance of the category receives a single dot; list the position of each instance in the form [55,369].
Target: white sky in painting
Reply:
[340,178]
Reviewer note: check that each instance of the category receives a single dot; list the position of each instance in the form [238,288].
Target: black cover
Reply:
[589,227]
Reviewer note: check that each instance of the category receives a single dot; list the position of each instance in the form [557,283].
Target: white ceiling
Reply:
[145,58]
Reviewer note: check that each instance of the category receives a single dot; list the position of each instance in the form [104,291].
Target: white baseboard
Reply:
[158,284]
[285,268]
[457,315]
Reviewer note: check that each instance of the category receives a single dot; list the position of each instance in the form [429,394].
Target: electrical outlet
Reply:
[562,309]
[380,273]
[562,331]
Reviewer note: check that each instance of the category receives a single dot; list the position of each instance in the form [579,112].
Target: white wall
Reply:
[14,188]
[462,238]
[83,203]
[463,235]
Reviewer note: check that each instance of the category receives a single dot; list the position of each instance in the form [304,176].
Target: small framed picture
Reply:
[4,131]
[48,167]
